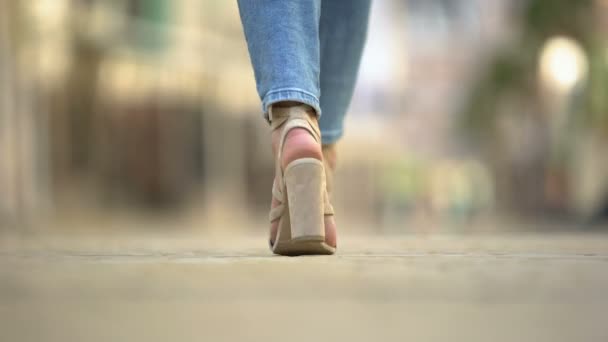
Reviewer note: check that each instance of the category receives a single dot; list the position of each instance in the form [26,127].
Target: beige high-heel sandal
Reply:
[300,190]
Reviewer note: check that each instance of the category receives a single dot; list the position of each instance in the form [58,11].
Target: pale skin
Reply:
[300,144]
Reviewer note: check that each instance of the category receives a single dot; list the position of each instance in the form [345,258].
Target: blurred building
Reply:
[114,101]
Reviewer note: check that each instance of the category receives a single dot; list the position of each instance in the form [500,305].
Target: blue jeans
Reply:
[307,51]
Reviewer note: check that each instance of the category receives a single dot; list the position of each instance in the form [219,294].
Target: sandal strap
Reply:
[295,117]
[329,180]
[277,193]
[276,212]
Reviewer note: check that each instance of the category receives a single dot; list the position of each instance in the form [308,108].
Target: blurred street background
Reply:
[466,110]
[132,143]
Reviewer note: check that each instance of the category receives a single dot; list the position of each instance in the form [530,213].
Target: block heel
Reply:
[305,233]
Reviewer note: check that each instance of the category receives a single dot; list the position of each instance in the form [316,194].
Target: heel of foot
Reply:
[300,144]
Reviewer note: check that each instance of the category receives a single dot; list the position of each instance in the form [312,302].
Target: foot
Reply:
[300,144]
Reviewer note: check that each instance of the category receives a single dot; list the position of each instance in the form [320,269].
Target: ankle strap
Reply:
[276,112]
[289,118]
[298,117]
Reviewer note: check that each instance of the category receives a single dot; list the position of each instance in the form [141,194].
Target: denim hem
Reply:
[331,136]
[290,94]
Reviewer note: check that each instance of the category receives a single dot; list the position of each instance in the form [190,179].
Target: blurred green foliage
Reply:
[512,73]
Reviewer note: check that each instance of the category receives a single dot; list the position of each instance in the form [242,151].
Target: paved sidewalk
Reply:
[408,288]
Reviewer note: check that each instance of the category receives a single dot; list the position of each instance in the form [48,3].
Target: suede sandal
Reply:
[301,191]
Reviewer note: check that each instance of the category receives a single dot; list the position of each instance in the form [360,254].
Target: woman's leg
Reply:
[342,32]
[283,41]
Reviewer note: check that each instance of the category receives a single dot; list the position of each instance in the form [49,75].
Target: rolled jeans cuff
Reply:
[290,94]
